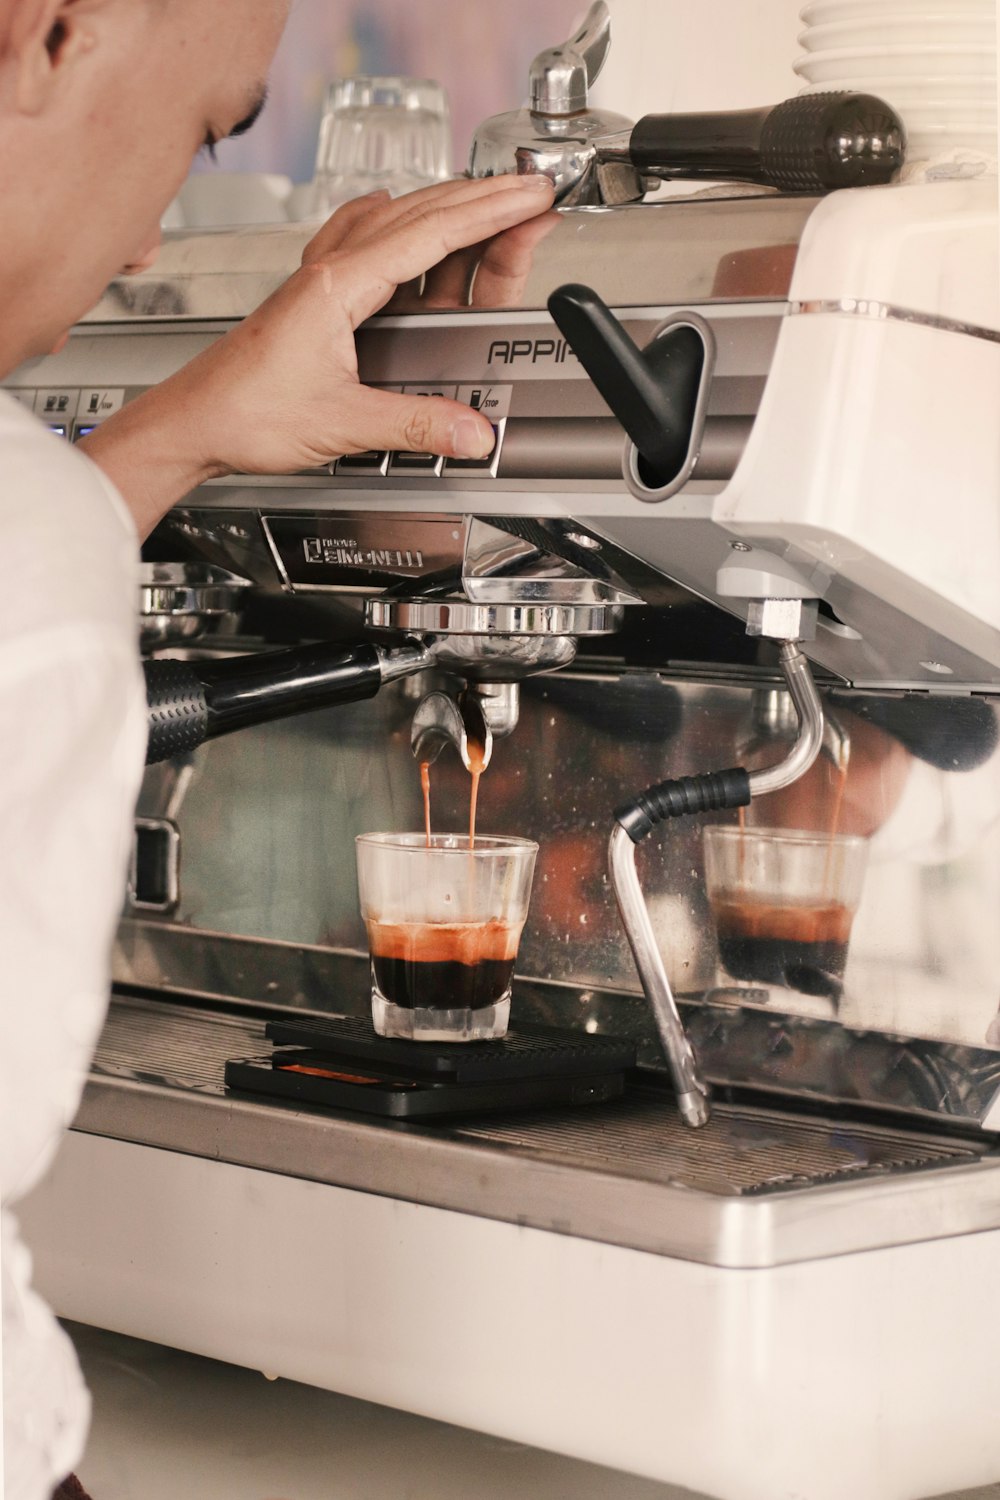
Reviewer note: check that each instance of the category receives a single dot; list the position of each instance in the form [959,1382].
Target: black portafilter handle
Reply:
[814,143]
[193,701]
[653,391]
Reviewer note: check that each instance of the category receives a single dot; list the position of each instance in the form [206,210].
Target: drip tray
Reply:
[753,1188]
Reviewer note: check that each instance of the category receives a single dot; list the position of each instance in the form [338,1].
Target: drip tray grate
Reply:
[742,1152]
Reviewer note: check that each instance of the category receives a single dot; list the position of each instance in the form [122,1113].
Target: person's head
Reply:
[103,105]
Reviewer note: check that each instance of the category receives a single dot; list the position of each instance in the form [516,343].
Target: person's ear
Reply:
[42,43]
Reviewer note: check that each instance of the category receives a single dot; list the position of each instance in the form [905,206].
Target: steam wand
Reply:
[711,792]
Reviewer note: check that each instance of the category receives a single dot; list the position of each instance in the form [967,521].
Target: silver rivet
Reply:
[581,539]
[741,546]
[938,667]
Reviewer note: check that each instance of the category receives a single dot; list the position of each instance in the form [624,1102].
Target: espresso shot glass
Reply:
[444,922]
[783,904]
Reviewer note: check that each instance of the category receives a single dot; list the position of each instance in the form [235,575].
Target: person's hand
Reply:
[491,275]
[280,392]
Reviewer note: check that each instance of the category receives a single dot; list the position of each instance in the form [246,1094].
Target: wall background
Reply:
[667,55]
[700,54]
[479,49]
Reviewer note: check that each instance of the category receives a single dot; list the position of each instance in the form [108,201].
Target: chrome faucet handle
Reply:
[440,720]
[561,76]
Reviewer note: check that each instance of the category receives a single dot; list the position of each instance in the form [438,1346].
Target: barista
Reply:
[103,103]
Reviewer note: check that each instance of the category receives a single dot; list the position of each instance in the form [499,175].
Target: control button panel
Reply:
[432,388]
[68,412]
[371,462]
[493,401]
[487,465]
[425,464]
[57,406]
[73,413]
[96,404]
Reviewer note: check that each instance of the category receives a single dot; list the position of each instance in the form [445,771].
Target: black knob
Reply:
[653,392]
[811,144]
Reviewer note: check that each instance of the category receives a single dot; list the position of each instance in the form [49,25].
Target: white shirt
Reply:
[72,731]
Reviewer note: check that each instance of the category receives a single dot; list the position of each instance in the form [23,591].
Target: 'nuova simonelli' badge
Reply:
[360,552]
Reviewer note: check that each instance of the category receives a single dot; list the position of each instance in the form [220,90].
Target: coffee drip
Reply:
[477,765]
[425,787]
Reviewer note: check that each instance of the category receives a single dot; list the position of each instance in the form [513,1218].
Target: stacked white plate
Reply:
[934,61]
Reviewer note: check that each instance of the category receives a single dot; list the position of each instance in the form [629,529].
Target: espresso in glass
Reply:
[444,920]
[443,966]
[783,903]
[799,946]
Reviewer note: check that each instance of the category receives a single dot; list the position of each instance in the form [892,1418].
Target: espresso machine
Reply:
[741,513]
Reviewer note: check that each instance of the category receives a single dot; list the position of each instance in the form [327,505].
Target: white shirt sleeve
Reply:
[72,728]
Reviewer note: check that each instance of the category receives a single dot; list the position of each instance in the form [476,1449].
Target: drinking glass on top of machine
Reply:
[444,922]
[783,904]
[391,133]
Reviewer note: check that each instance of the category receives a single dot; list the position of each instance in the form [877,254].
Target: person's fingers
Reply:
[414,424]
[505,263]
[456,193]
[367,275]
[365,218]
[331,235]
[489,275]
[449,283]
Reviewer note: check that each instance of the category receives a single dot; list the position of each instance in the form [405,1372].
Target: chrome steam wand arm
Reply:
[691,1089]
[695,794]
[798,675]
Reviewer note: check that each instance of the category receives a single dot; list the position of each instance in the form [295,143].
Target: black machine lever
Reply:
[814,143]
[192,701]
[653,392]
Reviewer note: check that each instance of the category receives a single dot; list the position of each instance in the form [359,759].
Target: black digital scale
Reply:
[339,1062]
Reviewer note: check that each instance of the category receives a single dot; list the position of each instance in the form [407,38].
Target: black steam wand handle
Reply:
[193,701]
[811,144]
[653,392]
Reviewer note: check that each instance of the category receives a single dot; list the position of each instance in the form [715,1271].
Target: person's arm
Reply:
[280,392]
